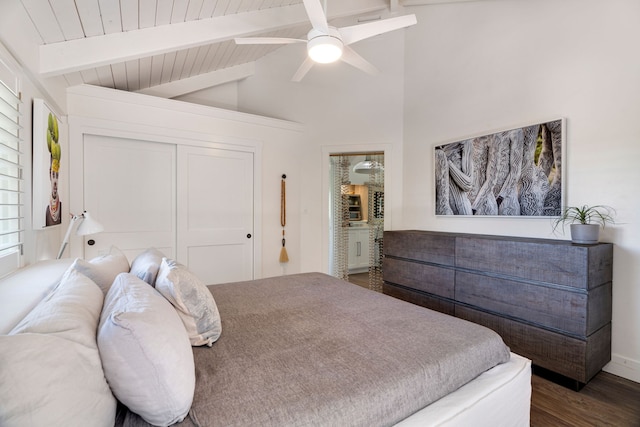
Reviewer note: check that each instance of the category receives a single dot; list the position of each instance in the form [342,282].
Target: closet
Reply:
[193,203]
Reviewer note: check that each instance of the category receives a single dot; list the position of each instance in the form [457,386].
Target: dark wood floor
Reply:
[607,400]
[360,279]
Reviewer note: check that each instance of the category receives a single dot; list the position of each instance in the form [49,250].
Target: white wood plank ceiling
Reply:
[168,47]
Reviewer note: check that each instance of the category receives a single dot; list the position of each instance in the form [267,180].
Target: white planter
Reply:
[586,234]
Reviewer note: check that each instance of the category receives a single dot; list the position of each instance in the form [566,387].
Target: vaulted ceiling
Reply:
[172,47]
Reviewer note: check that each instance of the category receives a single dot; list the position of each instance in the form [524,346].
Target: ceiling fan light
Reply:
[324,49]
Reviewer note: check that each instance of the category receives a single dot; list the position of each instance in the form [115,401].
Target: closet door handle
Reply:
[249,236]
[359,248]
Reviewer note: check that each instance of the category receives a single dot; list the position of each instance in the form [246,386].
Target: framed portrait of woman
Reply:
[47,205]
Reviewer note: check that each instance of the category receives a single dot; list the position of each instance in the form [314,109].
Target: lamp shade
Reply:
[88,225]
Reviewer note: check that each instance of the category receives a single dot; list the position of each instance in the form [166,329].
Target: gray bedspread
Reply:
[312,350]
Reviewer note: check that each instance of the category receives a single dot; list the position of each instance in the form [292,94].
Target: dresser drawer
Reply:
[562,263]
[419,298]
[427,278]
[579,359]
[435,248]
[565,310]
[552,308]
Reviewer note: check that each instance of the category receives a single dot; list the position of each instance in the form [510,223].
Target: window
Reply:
[11,182]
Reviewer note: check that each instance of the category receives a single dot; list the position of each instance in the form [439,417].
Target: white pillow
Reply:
[104,269]
[46,380]
[145,352]
[147,264]
[22,290]
[50,368]
[193,301]
[71,311]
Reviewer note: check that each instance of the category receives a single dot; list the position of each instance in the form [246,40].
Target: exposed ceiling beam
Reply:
[202,81]
[91,52]
[81,54]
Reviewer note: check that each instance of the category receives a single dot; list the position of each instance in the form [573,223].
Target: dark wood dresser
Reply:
[550,300]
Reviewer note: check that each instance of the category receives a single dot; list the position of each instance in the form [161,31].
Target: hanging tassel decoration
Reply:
[284,257]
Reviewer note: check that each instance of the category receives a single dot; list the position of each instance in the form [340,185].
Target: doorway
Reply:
[356,205]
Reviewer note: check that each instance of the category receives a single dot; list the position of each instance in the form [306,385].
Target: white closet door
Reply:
[130,187]
[215,213]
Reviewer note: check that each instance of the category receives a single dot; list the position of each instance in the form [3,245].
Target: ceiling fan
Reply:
[326,44]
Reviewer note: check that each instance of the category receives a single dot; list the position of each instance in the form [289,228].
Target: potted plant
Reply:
[585,222]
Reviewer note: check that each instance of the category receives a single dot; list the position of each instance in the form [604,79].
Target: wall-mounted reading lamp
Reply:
[87,226]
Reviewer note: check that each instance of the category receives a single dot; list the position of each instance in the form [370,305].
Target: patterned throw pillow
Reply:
[192,300]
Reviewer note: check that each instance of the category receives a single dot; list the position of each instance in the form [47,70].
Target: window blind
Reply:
[11,180]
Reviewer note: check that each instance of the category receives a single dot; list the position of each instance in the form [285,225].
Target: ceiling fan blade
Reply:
[359,32]
[266,40]
[352,58]
[316,15]
[303,70]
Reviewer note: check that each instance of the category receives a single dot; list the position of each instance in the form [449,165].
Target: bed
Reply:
[310,349]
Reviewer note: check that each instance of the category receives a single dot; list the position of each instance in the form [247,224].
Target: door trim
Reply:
[392,195]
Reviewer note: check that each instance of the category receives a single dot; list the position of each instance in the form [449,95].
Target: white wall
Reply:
[475,67]
[222,96]
[343,109]
[38,244]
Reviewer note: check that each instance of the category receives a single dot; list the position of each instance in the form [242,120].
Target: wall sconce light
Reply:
[86,226]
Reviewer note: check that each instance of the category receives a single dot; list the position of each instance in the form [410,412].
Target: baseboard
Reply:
[624,367]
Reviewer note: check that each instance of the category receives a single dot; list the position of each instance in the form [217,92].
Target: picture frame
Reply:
[46,203]
[517,172]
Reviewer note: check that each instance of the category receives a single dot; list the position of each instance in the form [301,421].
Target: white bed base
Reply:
[499,397]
